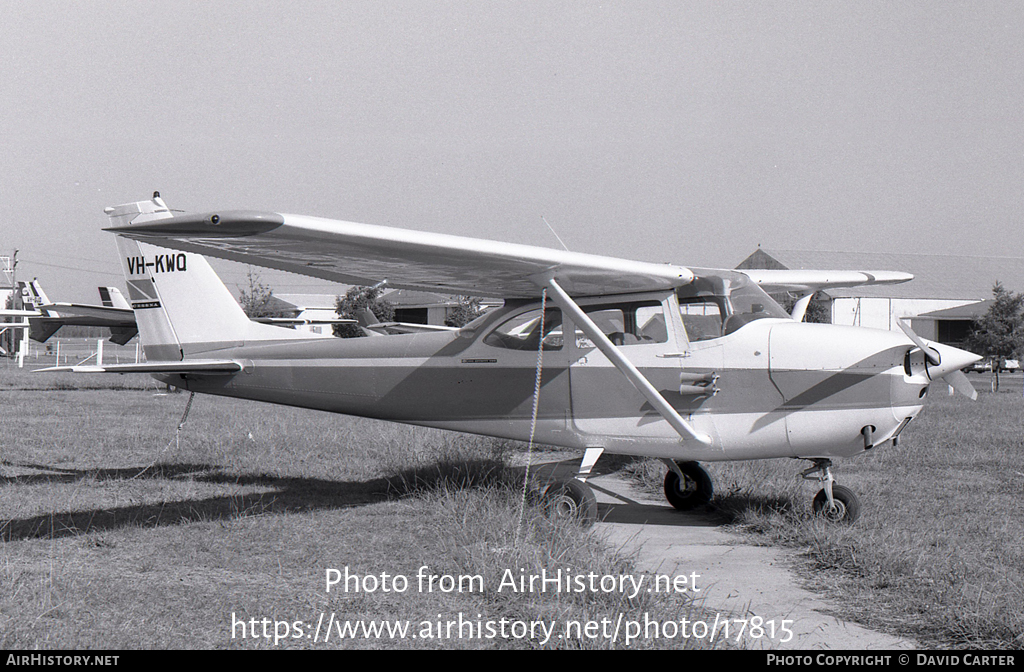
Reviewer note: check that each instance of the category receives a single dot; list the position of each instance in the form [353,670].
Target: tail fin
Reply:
[34,298]
[111,297]
[366,318]
[181,306]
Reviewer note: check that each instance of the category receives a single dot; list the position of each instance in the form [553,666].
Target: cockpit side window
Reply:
[522,331]
[717,305]
[747,303]
[702,317]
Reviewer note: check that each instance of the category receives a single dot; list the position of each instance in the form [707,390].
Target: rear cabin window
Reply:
[626,324]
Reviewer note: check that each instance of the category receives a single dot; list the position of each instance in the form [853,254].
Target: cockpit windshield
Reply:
[719,304]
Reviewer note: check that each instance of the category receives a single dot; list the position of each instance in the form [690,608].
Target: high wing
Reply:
[366,254]
[806,283]
[104,315]
[50,316]
[120,321]
[813,281]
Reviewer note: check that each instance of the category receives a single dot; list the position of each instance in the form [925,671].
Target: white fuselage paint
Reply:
[784,389]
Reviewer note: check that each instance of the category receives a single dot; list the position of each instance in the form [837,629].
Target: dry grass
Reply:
[115,535]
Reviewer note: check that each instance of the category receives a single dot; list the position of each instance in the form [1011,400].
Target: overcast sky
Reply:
[686,132]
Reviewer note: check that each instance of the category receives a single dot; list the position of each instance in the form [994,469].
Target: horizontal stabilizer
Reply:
[197,366]
[120,321]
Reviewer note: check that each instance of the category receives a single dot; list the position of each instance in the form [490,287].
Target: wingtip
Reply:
[229,223]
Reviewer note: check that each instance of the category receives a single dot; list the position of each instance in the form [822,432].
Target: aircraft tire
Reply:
[695,491]
[847,506]
[571,500]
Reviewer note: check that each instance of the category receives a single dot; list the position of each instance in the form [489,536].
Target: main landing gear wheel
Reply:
[571,500]
[845,506]
[692,490]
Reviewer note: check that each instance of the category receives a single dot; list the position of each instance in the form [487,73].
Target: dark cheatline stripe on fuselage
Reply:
[834,390]
[408,377]
[739,391]
[406,394]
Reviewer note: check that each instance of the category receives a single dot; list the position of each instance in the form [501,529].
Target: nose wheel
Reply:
[834,503]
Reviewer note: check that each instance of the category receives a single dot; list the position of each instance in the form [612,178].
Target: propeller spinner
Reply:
[945,362]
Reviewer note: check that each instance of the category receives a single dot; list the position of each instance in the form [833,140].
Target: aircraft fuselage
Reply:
[771,388]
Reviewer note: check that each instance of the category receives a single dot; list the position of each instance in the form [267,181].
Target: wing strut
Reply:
[624,366]
[800,307]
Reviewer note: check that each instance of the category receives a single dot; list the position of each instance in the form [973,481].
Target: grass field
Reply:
[118,534]
[938,551]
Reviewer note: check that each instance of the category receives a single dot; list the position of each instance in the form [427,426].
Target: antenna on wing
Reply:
[553,233]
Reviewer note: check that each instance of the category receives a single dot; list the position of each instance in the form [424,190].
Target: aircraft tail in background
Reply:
[111,297]
[34,298]
[115,314]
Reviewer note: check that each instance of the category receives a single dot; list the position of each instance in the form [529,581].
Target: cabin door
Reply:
[604,401]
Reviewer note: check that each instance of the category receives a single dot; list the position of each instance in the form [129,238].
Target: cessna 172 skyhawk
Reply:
[682,364]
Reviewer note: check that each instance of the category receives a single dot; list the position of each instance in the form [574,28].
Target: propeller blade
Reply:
[929,353]
[959,382]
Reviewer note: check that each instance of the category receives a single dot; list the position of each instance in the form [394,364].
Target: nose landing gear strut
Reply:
[833,502]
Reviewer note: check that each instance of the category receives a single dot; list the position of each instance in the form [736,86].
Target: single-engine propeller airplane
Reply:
[683,364]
